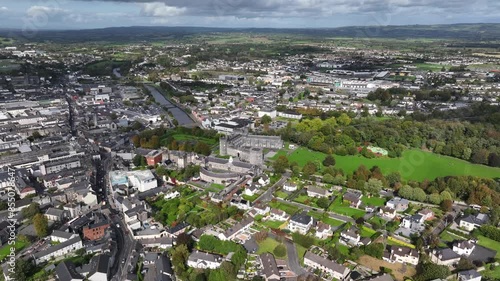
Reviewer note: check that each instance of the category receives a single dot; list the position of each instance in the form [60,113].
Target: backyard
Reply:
[289,209]
[399,270]
[339,207]
[489,243]
[267,246]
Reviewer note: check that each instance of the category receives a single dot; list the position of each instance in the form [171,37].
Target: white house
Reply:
[323,230]
[397,203]
[172,195]
[401,255]
[444,256]
[463,248]
[334,269]
[351,236]
[471,222]
[264,180]
[143,180]
[61,236]
[316,192]
[262,209]
[290,186]
[204,260]
[58,250]
[233,231]
[300,223]
[99,268]
[250,190]
[278,215]
[388,212]
[53,214]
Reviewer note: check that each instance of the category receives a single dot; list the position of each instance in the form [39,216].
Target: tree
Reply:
[303,240]
[431,271]
[266,119]
[406,191]
[494,160]
[329,161]
[375,250]
[139,160]
[30,211]
[435,198]
[261,235]
[281,164]
[419,194]
[446,205]
[41,224]
[23,270]
[344,119]
[185,239]
[280,251]
[323,202]
[309,169]
[179,256]
[136,140]
[464,264]
[373,186]
[36,135]
[480,156]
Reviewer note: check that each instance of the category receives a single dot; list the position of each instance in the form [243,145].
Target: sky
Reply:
[86,14]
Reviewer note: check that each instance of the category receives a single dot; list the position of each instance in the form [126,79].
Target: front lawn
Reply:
[250,198]
[449,237]
[326,219]
[490,244]
[367,232]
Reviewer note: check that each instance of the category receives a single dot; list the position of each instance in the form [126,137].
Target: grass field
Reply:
[342,208]
[327,220]
[250,198]
[396,242]
[289,209]
[267,246]
[373,201]
[217,186]
[490,244]
[273,224]
[184,137]
[367,232]
[449,237]
[5,250]
[281,194]
[413,165]
[491,273]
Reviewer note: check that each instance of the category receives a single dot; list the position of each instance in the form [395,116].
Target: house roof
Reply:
[468,274]
[326,263]
[351,232]
[99,263]
[62,234]
[464,244]
[58,247]
[317,190]
[301,218]
[269,265]
[195,256]
[351,196]
[66,271]
[54,212]
[404,251]
[446,254]
[237,227]
[480,219]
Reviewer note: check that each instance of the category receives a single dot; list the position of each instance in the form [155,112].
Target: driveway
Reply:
[293,259]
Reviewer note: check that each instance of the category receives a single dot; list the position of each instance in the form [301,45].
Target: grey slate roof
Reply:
[66,271]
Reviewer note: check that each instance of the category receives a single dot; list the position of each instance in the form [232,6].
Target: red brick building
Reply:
[154,157]
[95,231]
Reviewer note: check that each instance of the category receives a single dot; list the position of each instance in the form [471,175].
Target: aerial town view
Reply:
[249,140]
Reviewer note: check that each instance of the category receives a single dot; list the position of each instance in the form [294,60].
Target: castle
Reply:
[248,148]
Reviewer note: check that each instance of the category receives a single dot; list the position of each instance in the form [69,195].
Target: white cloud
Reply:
[158,9]
[34,11]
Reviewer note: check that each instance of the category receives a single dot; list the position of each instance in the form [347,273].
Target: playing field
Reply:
[413,165]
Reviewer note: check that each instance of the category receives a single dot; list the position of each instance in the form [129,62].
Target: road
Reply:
[293,258]
[268,194]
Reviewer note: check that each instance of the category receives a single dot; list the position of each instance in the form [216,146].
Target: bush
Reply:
[280,251]
[375,250]
[303,240]
[490,232]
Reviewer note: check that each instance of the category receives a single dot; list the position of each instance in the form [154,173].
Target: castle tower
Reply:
[223,145]
[256,156]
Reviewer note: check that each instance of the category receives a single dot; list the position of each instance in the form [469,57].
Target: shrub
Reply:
[280,250]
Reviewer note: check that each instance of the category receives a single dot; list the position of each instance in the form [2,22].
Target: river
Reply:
[179,115]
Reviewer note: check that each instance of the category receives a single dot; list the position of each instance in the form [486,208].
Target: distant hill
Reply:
[465,32]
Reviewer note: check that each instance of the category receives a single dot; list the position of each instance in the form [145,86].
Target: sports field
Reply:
[413,165]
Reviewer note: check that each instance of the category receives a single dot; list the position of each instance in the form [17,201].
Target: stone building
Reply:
[248,148]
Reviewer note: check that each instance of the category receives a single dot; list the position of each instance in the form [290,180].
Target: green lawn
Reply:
[415,164]
[217,186]
[492,274]
[19,245]
[273,224]
[301,251]
[377,220]
[281,194]
[250,198]
[289,209]
[449,237]
[396,242]
[373,201]
[342,208]
[490,244]
[367,232]
[325,219]
[267,246]
[303,198]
